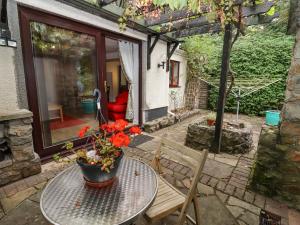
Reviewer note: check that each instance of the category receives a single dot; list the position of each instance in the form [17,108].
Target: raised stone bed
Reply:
[236,138]
[169,120]
[20,160]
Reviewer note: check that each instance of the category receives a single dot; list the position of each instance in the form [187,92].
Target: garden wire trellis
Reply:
[243,87]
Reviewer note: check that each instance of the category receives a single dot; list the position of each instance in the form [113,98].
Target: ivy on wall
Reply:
[262,53]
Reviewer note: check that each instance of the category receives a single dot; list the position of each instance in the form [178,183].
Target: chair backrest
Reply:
[187,156]
[193,189]
[178,153]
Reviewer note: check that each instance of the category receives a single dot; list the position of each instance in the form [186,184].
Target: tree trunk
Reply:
[223,86]
[294,15]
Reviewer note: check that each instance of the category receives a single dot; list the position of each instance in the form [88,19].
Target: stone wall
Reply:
[277,170]
[290,127]
[234,140]
[21,161]
[275,173]
[168,120]
[196,94]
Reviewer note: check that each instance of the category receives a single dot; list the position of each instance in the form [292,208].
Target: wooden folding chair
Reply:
[169,199]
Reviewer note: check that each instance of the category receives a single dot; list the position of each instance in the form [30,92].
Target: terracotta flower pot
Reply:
[94,176]
[211,122]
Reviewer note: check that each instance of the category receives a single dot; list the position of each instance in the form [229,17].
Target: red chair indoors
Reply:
[117,109]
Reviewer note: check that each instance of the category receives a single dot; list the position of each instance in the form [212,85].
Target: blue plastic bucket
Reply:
[272,117]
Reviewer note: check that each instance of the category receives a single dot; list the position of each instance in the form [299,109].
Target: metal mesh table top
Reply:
[67,200]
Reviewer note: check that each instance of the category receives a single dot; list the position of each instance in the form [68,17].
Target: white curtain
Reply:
[129,54]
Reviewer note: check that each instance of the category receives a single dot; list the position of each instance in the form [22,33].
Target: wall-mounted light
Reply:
[11,43]
[162,64]
[7,42]
[5,39]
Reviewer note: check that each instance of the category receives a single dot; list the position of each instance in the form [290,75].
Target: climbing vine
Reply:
[224,11]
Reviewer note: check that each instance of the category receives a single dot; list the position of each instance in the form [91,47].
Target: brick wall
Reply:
[196,94]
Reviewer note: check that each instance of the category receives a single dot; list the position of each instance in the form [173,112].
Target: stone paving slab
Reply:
[230,210]
[12,202]
[213,212]
[223,191]
[27,213]
[217,169]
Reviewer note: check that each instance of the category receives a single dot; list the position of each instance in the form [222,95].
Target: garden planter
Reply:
[211,122]
[95,177]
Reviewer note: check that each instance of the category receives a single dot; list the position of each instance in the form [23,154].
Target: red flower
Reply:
[83,131]
[135,130]
[120,139]
[108,127]
[120,124]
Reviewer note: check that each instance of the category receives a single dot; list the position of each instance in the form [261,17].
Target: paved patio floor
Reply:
[225,198]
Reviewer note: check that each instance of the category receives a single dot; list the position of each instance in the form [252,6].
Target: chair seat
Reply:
[167,201]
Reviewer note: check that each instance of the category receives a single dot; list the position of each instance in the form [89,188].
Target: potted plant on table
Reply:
[100,163]
[211,119]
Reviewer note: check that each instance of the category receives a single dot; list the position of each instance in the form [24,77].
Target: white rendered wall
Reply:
[156,82]
[8,89]
[180,56]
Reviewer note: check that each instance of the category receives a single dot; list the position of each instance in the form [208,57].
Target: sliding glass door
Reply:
[65,64]
[63,61]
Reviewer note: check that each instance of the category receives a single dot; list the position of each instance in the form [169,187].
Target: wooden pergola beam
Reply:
[105,2]
[150,47]
[257,9]
[208,28]
[171,16]
[182,19]
[200,21]
[216,27]
[171,47]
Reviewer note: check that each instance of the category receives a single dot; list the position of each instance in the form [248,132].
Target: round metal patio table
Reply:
[66,200]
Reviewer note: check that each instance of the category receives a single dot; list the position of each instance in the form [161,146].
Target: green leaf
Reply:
[271,12]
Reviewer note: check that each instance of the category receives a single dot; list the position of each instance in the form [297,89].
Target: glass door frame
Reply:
[27,15]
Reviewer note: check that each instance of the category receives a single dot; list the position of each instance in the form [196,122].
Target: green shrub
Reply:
[260,54]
